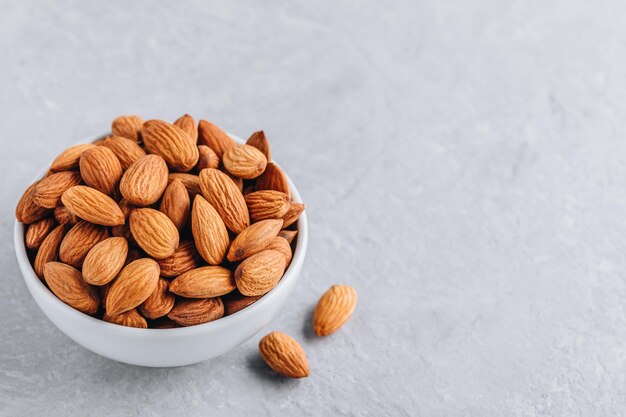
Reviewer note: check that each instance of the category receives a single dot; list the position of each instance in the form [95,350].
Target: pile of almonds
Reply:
[161,225]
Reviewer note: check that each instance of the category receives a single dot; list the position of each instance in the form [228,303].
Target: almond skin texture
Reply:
[175,204]
[49,250]
[101,169]
[188,125]
[267,204]
[334,309]
[259,141]
[130,318]
[171,143]
[69,158]
[281,245]
[244,161]
[258,274]
[92,205]
[235,301]
[63,216]
[191,182]
[284,355]
[145,181]
[254,239]
[27,211]
[160,301]
[205,282]
[273,178]
[133,286]
[49,191]
[123,230]
[38,231]
[207,159]
[225,197]
[105,261]
[126,150]
[184,259]
[214,137]
[209,232]
[68,284]
[78,242]
[294,212]
[193,312]
[154,232]
[289,235]
[127,126]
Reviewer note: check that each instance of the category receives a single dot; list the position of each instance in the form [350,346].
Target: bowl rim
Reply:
[226,321]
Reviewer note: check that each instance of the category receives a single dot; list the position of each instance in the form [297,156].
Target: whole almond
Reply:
[38,231]
[127,126]
[235,301]
[244,161]
[225,197]
[49,250]
[49,191]
[293,214]
[92,205]
[126,150]
[63,216]
[27,211]
[259,273]
[154,232]
[289,235]
[267,204]
[205,282]
[78,242]
[175,204]
[133,286]
[145,181]
[259,141]
[334,309]
[207,159]
[191,182]
[254,239]
[67,283]
[214,137]
[193,312]
[281,245]
[209,232]
[130,318]
[284,355]
[184,259]
[273,178]
[170,142]
[188,125]
[69,158]
[160,301]
[105,260]
[101,169]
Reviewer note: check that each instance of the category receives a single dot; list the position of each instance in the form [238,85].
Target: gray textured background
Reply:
[463,164]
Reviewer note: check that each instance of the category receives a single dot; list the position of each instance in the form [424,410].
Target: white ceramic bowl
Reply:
[164,347]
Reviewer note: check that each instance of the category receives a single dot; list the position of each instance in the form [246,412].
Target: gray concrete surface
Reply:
[464,167]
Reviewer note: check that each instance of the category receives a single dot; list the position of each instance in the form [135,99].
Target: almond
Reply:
[27,211]
[160,301]
[205,282]
[175,204]
[207,159]
[244,161]
[238,181]
[284,355]
[191,182]
[92,205]
[235,301]
[273,178]
[78,242]
[133,286]
[145,181]
[334,309]
[214,137]
[188,125]
[101,169]
[281,245]
[38,231]
[293,214]
[63,216]
[69,158]
[259,141]
[105,260]
[184,259]
[127,126]
[130,318]
[49,250]
[123,230]
[289,235]
[267,204]
[126,150]
[253,239]
[209,232]
[67,283]
[171,143]
[193,312]
[49,191]
[225,197]
[259,273]
[154,232]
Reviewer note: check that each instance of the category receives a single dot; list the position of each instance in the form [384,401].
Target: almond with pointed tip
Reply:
[194,312]
[67,283]
[184,259]
[190,181]
[284,355]
[70,158]
[92,205]
[214,137]
[293,214]
[126,150]
[207,158]
[244,161]
[259,273]
[49,250]
[49,191]
[253,239]
[154,232]
[273,178]
[105,260]
[188,125]
[289,235]
[128,126]
[160,301]
[281,245]
[130,318]
[225,197]
[37,232]
[100,169]
[236,301]
[267,204]
[63,216]
[133,286]
[175,204]
[171,143]
[27,211]
[145,181]
[334,309]
[259,141]
[78,242]
[205,282]
[209,232]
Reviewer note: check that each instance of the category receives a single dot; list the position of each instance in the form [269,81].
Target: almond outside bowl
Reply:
[164,347]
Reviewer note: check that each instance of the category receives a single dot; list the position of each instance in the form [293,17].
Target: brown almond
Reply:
[184,259]
[171,143]
[209,232]
[273,178]
[63,216]
[205,282]
[188,125]
[284,355]
[78,242]
[126,150]
[334,309]
[101,169]
[244,161]
[238,181]
[259,273]
[130,318]
[154,232]
[133,286]
[225,197]
[259,141]
[175,204]
[236,301]
[38,231]
[289,235]
[92,205]
[160,301]
[145,181]
[67,283]
[123,230]
[214,137]
[267,204]
[254,239]
[190,181]
[105,260]
[281,245]
[207,159]
[27,211]
[70,158]
[293,214]
[49,191]
[49,250]
[128,126]
[194,312]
